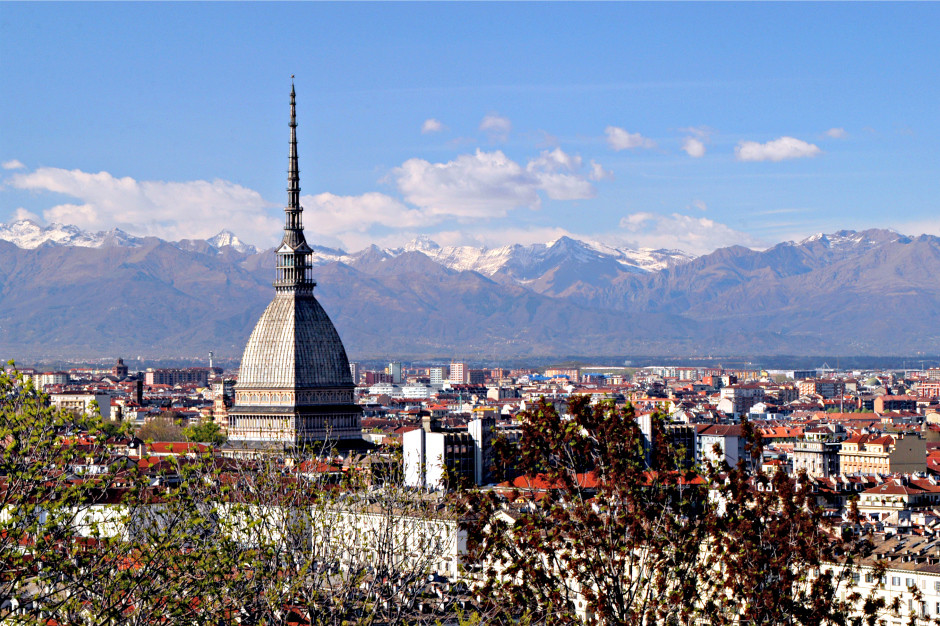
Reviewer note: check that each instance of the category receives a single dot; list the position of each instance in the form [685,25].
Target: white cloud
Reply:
[700,205]
[489,184]
[485,184]
[496,126]
[619,139]
[837,133]
[431,125]
[334,215]
[467,189]
[23,214]
[556,173]
[702,132]
[12,164]
[470,188]
[696,235]
[693,147]
[776,150]
[171,210]
[598,172]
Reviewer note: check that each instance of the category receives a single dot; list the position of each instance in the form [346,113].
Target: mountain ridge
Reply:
[847,292]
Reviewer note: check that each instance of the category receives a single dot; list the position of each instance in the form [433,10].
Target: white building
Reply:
[437,459]
[418,391]
[385,389]
[730,441]
[82,403]
[394,369]
[439,374]
[50,378]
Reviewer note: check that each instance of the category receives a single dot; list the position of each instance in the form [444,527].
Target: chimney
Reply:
[430,424]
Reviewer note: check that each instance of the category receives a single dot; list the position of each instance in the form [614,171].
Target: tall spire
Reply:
[293,255]
[293,172]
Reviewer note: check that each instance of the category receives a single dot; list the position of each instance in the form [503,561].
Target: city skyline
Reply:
[682,126]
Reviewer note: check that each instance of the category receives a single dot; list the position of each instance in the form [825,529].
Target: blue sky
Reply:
[690,126]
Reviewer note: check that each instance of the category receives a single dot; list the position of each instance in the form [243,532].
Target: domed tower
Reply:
[294,387]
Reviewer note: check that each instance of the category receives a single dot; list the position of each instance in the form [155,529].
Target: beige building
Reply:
[81,403]
[883,454]
[459,373]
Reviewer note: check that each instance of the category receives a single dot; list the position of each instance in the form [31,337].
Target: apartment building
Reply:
[883,454]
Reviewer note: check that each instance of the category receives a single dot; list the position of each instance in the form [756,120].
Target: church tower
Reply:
[294,388]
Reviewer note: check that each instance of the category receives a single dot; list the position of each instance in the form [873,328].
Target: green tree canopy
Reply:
[205,432]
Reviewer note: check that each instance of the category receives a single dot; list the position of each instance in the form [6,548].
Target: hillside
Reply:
[76,293]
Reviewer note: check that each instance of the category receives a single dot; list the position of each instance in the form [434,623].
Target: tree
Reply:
[88,538]
[205,432]
[161,428]
[613,528]
[773,550]
[56,480]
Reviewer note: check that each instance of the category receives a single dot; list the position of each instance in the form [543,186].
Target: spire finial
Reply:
[293,171]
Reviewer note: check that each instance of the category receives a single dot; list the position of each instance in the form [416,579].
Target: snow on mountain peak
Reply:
[487,261]
[849,240]
[29,235]
[228,238]
[421,243]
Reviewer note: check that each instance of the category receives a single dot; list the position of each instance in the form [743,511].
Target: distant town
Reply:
[843,428]
[833,424]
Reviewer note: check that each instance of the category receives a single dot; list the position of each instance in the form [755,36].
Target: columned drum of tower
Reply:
[294,388]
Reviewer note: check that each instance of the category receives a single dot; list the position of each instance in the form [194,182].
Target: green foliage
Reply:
[199,539]
[205,432]
[114,429]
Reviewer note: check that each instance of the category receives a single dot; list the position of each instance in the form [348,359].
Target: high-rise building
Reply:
[294,386]
[438,375]
[459,373]
[394,369]
[354,372]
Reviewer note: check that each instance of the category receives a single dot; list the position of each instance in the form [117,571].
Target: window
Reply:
[895,581]
[909,583]
[869,577]
[936,586]
[856,578]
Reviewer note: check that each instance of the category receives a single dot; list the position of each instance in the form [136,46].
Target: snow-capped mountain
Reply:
[228,238]
[850,240]
[29,235]
[489,261]
[846,292]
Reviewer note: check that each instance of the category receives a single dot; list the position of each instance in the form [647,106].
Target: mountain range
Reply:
[65,292]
